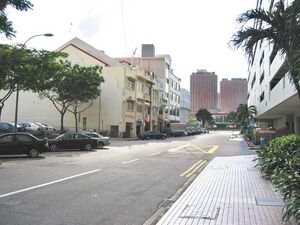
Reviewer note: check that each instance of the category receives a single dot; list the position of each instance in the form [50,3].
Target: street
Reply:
[124,183]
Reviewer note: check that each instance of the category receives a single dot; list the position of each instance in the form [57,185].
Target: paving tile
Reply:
[226,193]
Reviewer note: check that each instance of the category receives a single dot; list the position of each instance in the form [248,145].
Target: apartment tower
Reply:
[203,87]
[233,93]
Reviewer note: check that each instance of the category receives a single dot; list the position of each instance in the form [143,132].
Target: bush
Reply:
[279,160]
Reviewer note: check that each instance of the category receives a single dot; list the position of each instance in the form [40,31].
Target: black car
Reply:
[22,143]
[73,141]
[152,135]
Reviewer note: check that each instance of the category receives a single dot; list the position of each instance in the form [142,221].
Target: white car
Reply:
[28,126]
[102,141]
[44,126]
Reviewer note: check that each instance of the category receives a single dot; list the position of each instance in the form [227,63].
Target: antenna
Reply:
[132,56]
[123,24]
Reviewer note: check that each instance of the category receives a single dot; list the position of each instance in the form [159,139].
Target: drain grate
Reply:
[252,169]
[196,212]
[269,202]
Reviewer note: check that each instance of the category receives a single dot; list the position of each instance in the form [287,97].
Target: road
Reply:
[124,183]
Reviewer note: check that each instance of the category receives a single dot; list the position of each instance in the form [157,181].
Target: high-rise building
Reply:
[185,105]
[233,93]
[203,87]
[269,86]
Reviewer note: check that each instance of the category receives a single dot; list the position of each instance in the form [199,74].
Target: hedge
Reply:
[279,160]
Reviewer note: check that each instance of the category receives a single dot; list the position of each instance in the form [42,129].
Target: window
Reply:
[147,89]
[253,81]
[130,106]
[167,80]
[130,84]
[23,138]
[262,97]
[262,77]
[6,139]
[139,108]
[139,86]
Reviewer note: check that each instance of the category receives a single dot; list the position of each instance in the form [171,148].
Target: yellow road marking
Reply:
[198,148]
[191,168]
[213,149]
[192,172]
[210,151]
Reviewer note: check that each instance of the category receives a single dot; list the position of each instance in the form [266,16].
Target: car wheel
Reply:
[87,147]
[100,145]
[53,147]
[148,138]
[33,153]
[163,137]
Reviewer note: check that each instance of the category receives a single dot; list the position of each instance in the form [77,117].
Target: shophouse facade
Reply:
[160,66]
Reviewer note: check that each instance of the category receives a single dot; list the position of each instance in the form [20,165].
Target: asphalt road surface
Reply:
[123,184]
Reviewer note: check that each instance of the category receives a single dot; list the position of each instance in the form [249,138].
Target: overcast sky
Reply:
[195,33]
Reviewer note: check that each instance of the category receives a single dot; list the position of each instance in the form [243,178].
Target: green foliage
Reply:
[26,67]
[245,114]
[203,115]
[70,86]
[6,25]
[279,160]
[280,28]
[232,117]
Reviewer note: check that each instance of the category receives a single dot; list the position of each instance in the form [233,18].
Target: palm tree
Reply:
[280,27]
[245,114]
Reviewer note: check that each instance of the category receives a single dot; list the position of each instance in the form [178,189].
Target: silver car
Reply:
[102,141]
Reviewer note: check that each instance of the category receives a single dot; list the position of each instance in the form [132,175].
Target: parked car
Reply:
[73,141]
[204,131]
[102,141]
[152,135]
[8,127]
[45,127]
[22,143]
[31,128]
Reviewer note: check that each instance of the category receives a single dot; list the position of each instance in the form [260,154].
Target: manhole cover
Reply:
[197,212]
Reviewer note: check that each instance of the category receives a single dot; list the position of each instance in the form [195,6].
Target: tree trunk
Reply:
[76,123]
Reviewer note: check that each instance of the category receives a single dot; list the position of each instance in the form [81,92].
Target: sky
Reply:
[195,33]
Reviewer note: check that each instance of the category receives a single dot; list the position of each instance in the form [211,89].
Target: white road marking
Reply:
[158,153]
[47,184]
[130,161]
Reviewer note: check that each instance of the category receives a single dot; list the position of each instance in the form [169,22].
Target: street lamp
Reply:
[17,91]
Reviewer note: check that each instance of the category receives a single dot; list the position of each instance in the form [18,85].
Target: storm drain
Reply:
[197,212]
[252,169]
[269,202]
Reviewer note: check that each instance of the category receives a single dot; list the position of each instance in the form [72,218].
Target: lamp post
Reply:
[17,86]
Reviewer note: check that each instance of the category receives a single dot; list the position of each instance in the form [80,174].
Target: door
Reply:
[7,145]
[66,142]
[114,131]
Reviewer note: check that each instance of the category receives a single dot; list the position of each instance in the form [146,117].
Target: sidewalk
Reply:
[229,191]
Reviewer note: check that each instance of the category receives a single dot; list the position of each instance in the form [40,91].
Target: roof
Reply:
[90,50]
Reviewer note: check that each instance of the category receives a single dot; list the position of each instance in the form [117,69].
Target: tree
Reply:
[280,27]
[6,25]
[203,115]
[71,85]
[86,86]
[24,67]
[231,117]
[245,114]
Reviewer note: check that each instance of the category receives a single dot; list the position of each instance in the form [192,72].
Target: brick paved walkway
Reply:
[229,191]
